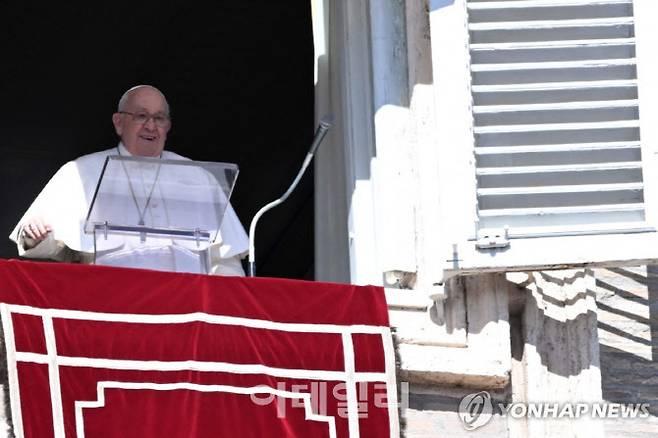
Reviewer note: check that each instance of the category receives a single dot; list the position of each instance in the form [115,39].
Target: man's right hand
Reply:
[34,231]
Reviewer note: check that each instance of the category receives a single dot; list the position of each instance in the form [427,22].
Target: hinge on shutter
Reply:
[490,238]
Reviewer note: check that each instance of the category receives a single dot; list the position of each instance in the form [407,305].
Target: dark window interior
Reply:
[238,76]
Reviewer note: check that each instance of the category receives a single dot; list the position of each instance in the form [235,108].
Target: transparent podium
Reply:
[159,214]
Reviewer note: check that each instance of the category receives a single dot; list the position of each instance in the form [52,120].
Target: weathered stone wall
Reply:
[627,321]
[432,413]
[5,413]
[627,307]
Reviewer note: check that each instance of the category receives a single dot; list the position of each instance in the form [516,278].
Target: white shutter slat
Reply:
[593,104]
[572,147]
[618,48]
[559,218]
[585,133]
[560,189]
[520,212]
[568,230]
[543,127]
[556,115]
[595,72]
[556,10]
[505,66]
[480,5]
[557,196]
[599,167]
[556,155]
[537,176]
[549,86]
[560,44]
[555,92]
[550,30]
[553,24]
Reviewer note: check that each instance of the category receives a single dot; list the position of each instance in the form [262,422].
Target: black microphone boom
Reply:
[325,123]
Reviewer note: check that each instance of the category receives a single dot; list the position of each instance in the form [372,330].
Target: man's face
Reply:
[143,139]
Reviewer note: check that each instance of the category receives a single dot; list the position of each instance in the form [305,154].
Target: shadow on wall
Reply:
[627,301]
[553,315]
[556,310]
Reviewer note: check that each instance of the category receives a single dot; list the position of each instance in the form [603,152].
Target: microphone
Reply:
[325,124]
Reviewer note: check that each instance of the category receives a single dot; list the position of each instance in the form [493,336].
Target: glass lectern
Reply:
[158,214]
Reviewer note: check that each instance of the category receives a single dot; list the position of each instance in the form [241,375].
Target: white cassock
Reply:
[64,203]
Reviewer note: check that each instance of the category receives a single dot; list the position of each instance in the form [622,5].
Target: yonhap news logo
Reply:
[477,409]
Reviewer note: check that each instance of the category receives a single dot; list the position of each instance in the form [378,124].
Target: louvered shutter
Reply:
[555,115]
[557,160]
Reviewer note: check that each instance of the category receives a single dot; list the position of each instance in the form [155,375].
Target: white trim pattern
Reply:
[102,386]
[203,366]
[350,386]
[53,377]
[349,375]
[391,382]
[12,371]
[182,318]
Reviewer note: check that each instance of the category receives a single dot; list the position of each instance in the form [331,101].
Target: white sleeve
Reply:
[49,248]
[62,205]
[229,266]
[233,239]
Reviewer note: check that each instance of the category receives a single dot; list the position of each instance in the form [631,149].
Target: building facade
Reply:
[492,166]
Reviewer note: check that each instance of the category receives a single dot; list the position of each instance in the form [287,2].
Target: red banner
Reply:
[107,352]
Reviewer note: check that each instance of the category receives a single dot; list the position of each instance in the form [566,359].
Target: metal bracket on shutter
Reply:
[491,238]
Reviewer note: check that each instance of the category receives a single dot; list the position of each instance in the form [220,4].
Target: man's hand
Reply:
[34,231]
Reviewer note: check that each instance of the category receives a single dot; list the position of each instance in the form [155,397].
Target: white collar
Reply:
[123,151]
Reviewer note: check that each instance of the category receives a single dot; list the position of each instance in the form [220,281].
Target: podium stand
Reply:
[158,214]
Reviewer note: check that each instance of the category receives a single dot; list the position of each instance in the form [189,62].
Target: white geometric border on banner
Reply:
[349,376]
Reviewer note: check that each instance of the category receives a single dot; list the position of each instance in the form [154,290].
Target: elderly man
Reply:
[53,225]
